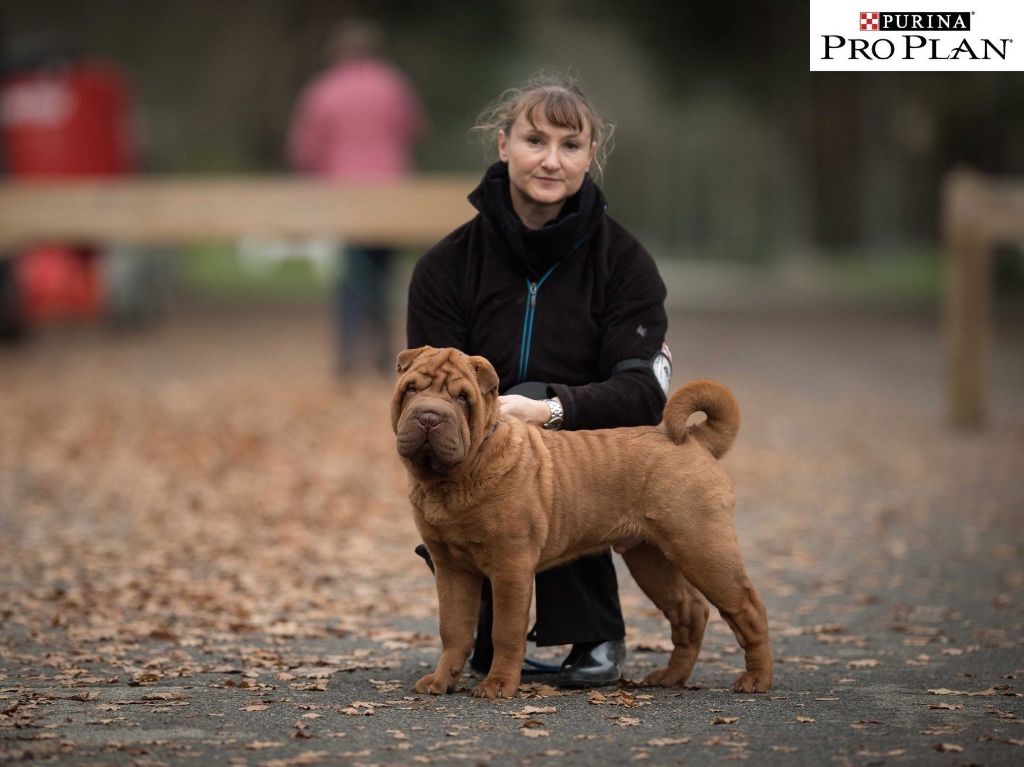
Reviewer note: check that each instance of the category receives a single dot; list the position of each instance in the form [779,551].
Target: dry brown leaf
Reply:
[259,745]
[863,724]
[725,720]
[949,747]
[864,663]
[661,742]
[540,690]
[164,696]
[806,719]
[532,728]
[981,693]
[305,758]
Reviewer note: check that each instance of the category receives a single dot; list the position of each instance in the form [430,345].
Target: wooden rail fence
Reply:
[152,210]
[979,212]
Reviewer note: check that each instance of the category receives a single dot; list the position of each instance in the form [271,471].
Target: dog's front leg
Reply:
[458,600]
[512,592]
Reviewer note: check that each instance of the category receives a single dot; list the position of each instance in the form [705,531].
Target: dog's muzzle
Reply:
[431,436]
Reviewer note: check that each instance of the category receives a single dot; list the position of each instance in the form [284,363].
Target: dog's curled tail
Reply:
[716,402]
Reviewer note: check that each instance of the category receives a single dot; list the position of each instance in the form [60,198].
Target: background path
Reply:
[207,558]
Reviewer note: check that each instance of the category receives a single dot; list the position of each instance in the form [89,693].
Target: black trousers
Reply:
[576,602]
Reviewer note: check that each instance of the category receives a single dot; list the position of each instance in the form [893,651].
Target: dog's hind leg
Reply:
[458,597]
[682,604]
[712,563]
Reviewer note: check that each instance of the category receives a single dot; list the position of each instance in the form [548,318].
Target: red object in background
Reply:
[57,282]
[74,120]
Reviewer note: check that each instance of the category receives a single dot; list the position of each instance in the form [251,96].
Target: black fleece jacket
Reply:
[563,305]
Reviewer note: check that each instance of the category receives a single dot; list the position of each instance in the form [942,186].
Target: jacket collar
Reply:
[531,252]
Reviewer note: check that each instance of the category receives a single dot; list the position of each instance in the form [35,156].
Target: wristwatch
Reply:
[554,422]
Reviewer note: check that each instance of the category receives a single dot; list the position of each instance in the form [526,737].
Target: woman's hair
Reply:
[563,105]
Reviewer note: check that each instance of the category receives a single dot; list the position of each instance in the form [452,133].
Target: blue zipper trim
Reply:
[531,309]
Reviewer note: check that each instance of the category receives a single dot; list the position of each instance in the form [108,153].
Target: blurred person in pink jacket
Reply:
[358,120]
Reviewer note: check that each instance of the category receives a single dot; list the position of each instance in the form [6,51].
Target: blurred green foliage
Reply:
[215,270]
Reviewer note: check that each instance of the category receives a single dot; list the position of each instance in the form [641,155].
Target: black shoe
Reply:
[593,664]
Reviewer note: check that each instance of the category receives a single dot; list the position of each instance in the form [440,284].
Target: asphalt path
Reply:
[887,548]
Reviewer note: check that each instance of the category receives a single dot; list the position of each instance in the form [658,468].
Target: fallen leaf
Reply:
[306,757]
[982,693]
[806,719]
[259,745]
[532,728]
[864,724]
[949,747]
[864,663]
[256,707]
[725,719]
[164,696]
[660,742]
[529,711]
[540,690]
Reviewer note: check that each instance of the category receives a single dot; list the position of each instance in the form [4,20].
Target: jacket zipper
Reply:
[531,309]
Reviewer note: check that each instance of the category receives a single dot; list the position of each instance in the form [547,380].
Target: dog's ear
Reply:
[407,357]
[486,377]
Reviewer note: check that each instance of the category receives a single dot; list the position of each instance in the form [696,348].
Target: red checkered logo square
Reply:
[869,21]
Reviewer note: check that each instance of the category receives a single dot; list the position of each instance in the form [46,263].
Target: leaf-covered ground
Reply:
[206,557]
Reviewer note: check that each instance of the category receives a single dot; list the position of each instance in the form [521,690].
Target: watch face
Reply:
[662,367]
[555,419]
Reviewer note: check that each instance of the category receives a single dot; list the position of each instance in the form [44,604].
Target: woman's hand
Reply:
[533,411]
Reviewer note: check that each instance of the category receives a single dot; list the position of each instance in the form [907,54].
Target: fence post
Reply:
[968,305]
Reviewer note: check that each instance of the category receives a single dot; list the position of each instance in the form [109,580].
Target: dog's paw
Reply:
[494,687]
[667,677]
[427,685]
[753,681]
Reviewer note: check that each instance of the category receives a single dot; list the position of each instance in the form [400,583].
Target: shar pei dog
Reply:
[500,499]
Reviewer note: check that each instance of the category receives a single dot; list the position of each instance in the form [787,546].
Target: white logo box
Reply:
[886,36]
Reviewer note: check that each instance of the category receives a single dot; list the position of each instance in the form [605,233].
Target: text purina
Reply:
[936,21]
[933,48]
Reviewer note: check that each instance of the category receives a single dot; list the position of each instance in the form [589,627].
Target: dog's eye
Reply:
[463,400]
[410,389]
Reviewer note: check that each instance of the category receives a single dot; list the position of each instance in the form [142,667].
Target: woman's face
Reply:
[546,165]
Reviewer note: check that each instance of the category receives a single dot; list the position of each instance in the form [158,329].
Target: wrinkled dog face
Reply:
[444,404]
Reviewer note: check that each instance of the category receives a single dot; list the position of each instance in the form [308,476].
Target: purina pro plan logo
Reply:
[975,35]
